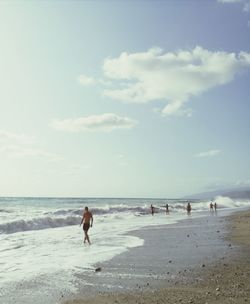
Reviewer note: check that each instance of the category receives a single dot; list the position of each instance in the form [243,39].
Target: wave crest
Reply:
[38,224]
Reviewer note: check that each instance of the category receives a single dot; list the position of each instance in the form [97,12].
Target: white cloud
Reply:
[22,145]
[208,153]
[170,77]
[104,123]
[219,184]
[245,3]
[242,183]
[16,137]
[75,170]
[246,7]
[229,1]
[175,108]
[86,81]
[20,151]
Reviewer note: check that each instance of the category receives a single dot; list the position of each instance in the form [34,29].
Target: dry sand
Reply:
[227,282]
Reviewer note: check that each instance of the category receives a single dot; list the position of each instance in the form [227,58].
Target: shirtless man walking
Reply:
[87,221]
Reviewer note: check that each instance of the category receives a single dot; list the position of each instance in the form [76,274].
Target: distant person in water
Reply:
[152,208]
[215,206]
[87,221]
[189,208]
[211,206]
[167,210]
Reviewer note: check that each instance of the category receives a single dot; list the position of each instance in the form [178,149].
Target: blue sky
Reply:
[124,98]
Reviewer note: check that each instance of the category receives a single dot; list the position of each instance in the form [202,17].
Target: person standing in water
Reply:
[167,210]
[152,209]
[211,206]
[87,221]
[189,208]
[215,207]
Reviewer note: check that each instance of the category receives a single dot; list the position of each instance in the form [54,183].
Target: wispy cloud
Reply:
[173,77]
[209,153]
[122,160]
[86,80]
[246,7]
[16,137]
[229,1]
[243,183]
[20,151]
[245,3]
[219,184]
[103,123]
[23,145]
[74,170]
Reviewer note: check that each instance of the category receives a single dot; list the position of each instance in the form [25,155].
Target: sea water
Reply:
[41,237]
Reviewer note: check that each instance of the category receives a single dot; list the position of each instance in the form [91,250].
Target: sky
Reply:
[124,98]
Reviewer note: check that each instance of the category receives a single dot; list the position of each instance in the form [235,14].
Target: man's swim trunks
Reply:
[86,226]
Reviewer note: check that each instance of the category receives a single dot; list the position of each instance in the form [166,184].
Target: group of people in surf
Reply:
[188,208]
[212,206]
[152,209]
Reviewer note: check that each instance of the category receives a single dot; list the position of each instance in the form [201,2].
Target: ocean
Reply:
[41,240]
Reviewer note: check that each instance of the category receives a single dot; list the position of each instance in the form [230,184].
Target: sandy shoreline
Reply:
[226,282]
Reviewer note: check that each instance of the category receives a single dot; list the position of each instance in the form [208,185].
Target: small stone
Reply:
[217,289]
[203,265]
[188,235]
[170,261]
[98,269]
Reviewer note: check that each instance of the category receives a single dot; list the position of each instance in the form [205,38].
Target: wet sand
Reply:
[225,281]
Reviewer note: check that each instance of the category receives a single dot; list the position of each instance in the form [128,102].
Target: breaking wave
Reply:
[38,224]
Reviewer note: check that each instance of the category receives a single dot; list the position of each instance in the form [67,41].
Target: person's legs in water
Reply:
[86,237]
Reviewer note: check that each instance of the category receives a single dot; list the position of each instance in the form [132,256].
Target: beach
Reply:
[43,257]
[219,273]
